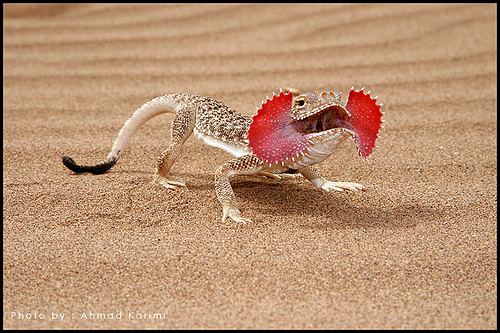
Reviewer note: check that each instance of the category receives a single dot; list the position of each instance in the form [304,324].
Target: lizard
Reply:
[290,133]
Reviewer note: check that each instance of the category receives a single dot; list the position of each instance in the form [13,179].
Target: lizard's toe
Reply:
[340,186]
[168,183]
[235,215]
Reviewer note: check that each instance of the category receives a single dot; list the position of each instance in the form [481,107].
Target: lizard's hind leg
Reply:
[182,127]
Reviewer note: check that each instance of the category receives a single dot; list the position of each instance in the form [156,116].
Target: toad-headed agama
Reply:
[287,136]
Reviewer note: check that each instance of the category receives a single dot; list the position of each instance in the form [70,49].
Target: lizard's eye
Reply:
[300,103]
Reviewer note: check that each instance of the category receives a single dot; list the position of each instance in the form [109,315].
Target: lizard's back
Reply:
[219,125]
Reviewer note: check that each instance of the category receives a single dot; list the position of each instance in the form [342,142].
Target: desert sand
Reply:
[417,249]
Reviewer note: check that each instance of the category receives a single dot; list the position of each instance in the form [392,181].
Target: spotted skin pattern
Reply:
[261,144]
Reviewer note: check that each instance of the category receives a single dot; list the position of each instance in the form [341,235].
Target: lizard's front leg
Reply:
[182,127]
[320,182]
[243,165]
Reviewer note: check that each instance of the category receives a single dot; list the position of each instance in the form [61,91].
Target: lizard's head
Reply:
[286,127]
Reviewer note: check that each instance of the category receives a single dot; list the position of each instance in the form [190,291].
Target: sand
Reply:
[418,249]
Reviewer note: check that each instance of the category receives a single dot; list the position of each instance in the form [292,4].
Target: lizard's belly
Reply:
[234,148]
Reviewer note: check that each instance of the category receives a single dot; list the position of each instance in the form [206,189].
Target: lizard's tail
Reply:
[151,109]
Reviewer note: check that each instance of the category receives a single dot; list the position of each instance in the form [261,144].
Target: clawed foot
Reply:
[234,214]
[268,175]
[341,186]
[280,176]
[168,183]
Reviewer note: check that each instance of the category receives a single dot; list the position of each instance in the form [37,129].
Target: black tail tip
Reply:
[96,169]
[70,164]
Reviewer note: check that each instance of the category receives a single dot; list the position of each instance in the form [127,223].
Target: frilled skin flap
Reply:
[365,119]
[271,134]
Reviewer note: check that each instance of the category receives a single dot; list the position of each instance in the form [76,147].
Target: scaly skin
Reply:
[309,128]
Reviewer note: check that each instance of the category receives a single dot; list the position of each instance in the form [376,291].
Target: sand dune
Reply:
[417,250]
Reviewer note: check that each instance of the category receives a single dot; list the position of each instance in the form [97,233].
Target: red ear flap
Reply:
[271,136]
[365,120]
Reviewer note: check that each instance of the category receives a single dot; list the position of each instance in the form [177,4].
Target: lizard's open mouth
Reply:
[329,118]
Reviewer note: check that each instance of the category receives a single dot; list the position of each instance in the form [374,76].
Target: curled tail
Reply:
[151,109]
